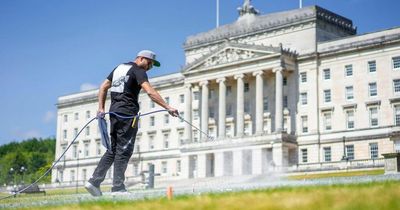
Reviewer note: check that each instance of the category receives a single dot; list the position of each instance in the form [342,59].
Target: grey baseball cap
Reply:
[150,55]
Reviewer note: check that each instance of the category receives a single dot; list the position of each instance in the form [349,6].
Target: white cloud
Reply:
[49,116]
[88,86]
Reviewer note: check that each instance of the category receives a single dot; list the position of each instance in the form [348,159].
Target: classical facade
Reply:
[296,90]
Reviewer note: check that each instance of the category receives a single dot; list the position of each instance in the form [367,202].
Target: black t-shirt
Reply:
[126,80]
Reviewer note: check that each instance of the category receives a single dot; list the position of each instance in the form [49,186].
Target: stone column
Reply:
[240,105]
[188,112]
[204,108]
[277,156]
[221,108]
[201,165]
[219,163]
[259,102]
[237,162]
[257,161]
[278,99]
[185,167]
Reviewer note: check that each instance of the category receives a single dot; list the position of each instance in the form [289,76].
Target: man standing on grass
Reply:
[125,81]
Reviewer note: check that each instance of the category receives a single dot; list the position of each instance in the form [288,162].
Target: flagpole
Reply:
[217,13]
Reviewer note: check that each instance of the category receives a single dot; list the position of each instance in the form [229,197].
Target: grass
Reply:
[377,195]
[337,174]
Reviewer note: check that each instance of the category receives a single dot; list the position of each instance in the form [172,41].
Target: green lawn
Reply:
[378,195]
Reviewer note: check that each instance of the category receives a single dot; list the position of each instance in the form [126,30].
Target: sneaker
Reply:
[122,192]
[94,191]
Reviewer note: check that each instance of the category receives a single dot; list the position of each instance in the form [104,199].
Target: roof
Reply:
[272,21]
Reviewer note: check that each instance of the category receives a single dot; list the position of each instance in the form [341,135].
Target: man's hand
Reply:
[100,113]
[173,112]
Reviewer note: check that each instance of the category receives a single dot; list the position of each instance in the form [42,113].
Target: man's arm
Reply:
[103,95]
[155,96]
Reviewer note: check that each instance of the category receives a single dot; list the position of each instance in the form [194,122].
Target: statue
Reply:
[247,8]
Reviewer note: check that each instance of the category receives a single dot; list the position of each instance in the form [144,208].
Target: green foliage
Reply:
[35,155]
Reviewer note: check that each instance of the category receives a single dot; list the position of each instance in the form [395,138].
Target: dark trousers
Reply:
[122,142]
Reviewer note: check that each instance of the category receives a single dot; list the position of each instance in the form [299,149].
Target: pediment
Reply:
[230,53]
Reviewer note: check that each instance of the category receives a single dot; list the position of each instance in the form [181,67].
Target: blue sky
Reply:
[51,48]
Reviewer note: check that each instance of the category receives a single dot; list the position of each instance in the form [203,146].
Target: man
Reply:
[125,81]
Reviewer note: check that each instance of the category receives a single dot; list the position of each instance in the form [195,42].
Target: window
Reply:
[76,116]
[196,95]
[178,166]
[86,150]
[164,167]
[228,90]
[61,179]
[72,175]
[75,151]
[246,87]
[304,124]
[349,93]
[182,115]
[152,104]
[372,89]
[265,103]
[63,150]
[348,70]
[211,93]
[211,114]
[195,114]
[304,155]
[152,121]
[327,74]
[166,119]
[373,148]
[98,148]
[350,152]
[65,118]
[135,169]
[397,115]
[87,114]
[284,81]
[350,119]
[182,98]
[87,131]
[327,154]
[151,142]
[166,142]
[65,134]
[373,116]
[181,140]
[396,85]
[396,63]
[303,77]
[195,136]
[285,101]
[328,121]
[372,66]
[327,96]
[75,132]
[229,110]
[246,107]
[167,100]
[303,98]
[137,145]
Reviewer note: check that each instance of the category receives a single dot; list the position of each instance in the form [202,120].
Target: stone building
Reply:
[296,90]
